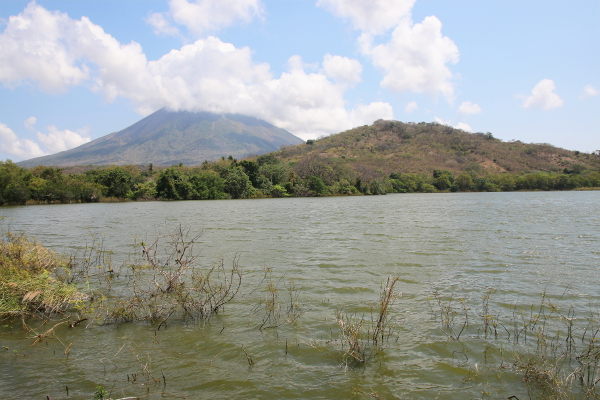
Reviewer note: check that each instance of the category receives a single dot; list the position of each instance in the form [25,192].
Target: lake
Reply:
[334,254]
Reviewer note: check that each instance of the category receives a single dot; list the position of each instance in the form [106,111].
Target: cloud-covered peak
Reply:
[543,96]
[206,75]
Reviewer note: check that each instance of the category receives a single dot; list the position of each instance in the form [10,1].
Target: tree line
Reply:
[262,176]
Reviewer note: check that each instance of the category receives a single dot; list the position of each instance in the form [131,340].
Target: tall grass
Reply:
[27,283]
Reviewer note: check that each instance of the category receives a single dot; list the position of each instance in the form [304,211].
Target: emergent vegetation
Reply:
[553,348]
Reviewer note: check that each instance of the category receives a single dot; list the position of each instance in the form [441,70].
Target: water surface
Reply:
[337,252]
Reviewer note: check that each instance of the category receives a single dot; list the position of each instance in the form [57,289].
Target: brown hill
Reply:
[393,146]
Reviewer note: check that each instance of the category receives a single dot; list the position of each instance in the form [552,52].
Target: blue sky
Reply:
[73,71]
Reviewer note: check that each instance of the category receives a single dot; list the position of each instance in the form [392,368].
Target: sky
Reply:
[72,71]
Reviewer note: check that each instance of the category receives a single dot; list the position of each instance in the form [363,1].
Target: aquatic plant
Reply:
[167,281]
[360,339]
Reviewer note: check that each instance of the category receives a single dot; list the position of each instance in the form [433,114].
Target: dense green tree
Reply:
[464,183]
[206,185]
[378,186]
[443,179]
[276,173]
[13,183]
[251,169]
[144,191]
[316,185]
[279,191]
[268,159]
[172,184]
[118,181]
[237,183]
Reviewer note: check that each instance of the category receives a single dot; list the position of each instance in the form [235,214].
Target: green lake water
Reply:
[337,252]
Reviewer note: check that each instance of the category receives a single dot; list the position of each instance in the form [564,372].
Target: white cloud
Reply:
[21,148]
[201,16]
[411,107]
[363,115]
[469,108]
[373,17]
[207,75]
[464,127]
[161,26]
[56,140]
[415,58]
[460,125]
[29,122]
[52,142]
[442,122]
[543,96]
[342,70]
[35,38]
[588,92]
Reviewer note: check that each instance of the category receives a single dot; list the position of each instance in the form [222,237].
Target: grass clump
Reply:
[27,283]
[360,339]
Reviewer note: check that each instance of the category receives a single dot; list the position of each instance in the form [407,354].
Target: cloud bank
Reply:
[76,52]
[201,16]
[54,141]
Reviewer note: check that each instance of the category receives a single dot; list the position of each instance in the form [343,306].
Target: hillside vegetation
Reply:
[394,146]
[386,157]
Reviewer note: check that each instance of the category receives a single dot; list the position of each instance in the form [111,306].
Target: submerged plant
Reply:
[277,309]
[167,281]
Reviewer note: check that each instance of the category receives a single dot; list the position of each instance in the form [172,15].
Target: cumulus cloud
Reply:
[411,107]
[56,140]
[442,122]
[21,148]
[588,92]
[161,26]
[206,75]
[52,142]
[469,108]
[461,125]
[464,127]
[38,37]
[372,17]
[415,59]
[543,96]
[416,56]
[342,70]
[29,122]
[201,16]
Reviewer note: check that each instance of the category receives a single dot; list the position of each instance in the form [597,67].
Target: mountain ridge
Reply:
[172,137]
